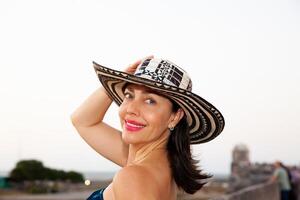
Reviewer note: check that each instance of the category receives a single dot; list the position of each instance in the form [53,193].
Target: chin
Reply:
[131,138]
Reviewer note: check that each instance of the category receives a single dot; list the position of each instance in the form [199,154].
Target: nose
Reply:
[133,107]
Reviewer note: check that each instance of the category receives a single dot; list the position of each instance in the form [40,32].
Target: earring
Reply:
[171,128]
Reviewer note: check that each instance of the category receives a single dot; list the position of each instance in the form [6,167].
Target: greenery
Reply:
[37,189]
[30,170]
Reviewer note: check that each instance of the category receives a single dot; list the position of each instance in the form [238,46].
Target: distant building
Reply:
[240,158]
[243,172]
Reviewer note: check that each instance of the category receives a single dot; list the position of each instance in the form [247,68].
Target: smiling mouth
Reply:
[133,126]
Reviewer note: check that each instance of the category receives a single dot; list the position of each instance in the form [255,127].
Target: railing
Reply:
[262,191]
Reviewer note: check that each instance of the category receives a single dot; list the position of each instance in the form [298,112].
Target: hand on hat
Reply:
[132,67]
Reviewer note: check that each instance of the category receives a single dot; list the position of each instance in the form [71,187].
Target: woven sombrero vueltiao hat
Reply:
[163,76]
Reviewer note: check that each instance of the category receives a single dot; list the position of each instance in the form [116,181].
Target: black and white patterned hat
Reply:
[163,76]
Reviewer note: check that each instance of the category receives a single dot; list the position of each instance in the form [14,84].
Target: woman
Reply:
[160,118]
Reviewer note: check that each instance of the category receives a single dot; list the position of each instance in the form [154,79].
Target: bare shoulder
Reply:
[134,182]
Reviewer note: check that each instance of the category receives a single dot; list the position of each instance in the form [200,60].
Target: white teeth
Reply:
[134,125]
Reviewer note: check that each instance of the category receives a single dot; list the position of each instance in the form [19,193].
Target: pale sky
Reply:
[243,57]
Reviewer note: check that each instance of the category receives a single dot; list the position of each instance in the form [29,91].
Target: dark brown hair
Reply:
[184,169]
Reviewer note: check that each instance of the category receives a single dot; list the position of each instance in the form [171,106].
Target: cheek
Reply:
[159,120]
[121,113]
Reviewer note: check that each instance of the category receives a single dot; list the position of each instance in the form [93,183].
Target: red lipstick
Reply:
[133,126]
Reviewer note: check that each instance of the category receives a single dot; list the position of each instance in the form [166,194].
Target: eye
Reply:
[150,101]
[127,95]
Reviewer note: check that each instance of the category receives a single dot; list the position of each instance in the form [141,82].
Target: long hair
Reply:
[184,169]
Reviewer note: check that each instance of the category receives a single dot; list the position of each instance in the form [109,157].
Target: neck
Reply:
[140,152]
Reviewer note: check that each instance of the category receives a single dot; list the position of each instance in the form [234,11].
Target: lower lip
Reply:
[131,128]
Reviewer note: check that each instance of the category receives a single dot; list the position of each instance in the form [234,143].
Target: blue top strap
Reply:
[97,195]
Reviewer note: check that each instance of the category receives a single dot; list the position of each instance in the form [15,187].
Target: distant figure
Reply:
[293,192]
[281,176]
[295,174]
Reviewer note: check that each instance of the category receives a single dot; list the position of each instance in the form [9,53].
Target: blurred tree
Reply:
[28,170]
[74,177]
[34,170]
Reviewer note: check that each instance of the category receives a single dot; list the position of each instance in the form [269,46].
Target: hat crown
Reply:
[165,72]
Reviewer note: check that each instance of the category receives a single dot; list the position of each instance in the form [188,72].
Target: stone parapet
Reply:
[261,191]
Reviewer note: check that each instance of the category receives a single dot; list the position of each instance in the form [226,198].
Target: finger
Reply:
[136,63]
[147,57]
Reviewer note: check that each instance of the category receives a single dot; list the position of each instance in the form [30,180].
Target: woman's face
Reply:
[144,115]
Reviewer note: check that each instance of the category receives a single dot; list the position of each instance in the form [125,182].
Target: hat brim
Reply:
[204,120]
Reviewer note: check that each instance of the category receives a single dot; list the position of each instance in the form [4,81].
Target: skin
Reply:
[142,153]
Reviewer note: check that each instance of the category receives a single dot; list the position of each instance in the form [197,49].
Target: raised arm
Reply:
[104,139]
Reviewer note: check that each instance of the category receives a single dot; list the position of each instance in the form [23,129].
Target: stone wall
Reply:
[256,192]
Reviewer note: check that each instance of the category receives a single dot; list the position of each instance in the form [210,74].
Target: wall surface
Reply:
[256,192]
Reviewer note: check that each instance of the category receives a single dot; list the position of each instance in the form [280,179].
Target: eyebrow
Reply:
[145,90]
